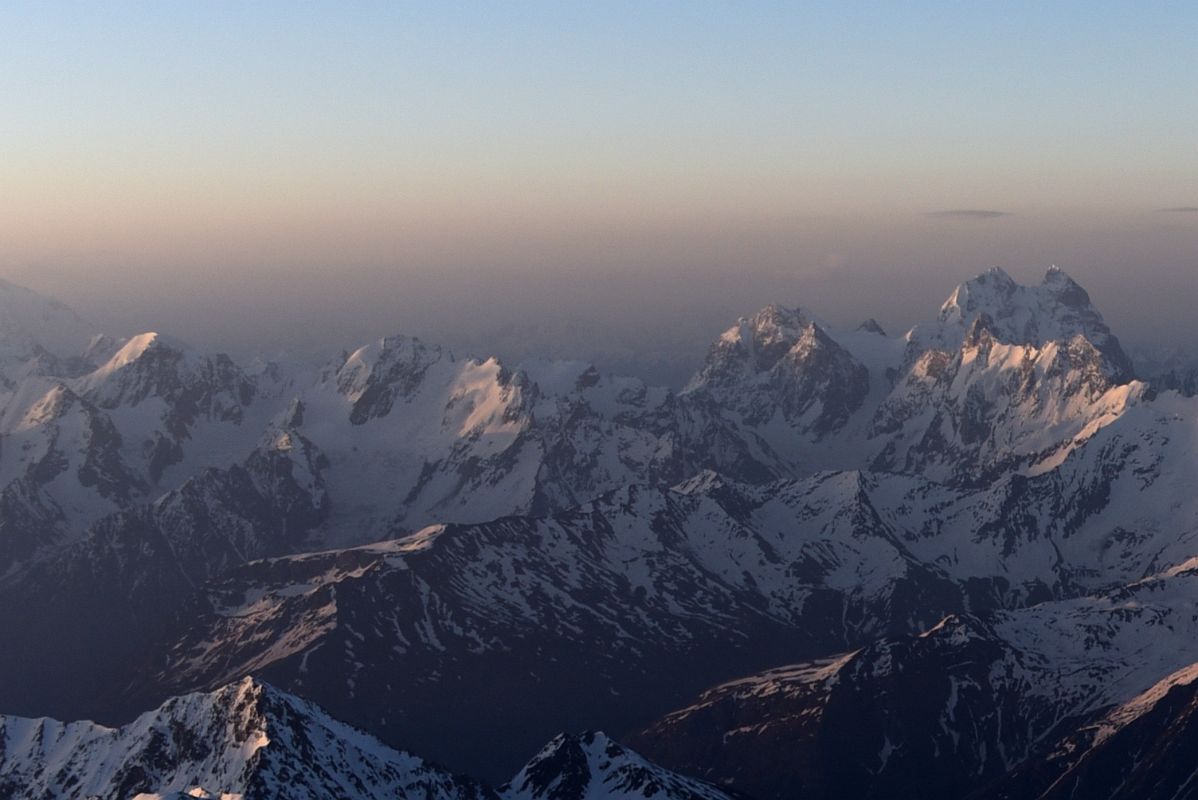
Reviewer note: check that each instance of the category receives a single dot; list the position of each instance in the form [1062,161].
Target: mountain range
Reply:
[959,562]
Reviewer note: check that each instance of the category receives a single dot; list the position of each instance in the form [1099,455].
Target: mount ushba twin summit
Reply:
[961,562]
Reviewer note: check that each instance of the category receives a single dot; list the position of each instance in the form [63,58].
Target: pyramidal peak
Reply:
[871,325]
[245,738]
[592,765]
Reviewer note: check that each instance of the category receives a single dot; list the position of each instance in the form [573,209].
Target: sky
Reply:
[613,180]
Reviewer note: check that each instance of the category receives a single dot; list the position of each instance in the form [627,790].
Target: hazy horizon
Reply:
[613,183]
[655,326]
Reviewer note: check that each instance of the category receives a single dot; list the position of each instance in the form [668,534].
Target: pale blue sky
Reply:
[512,99]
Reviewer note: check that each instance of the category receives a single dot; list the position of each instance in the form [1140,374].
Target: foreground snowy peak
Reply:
[593,766]
[1058,309]
[245,739]
[249,741]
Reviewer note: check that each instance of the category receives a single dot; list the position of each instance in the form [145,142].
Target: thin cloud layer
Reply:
[968,213]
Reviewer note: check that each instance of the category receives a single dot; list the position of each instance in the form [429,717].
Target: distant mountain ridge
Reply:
[1008,378]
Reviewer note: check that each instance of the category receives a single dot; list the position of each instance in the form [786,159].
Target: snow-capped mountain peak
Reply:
[593,766]
[249,740]
[753,345]
[245,740]
[871,325]
[1056,310]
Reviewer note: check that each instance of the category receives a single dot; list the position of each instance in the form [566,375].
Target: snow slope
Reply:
[244,740]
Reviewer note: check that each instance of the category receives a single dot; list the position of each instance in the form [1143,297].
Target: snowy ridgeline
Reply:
[400,433]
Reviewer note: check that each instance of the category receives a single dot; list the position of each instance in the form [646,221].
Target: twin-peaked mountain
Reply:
[433,547]
[1007,378]
[1057,310]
